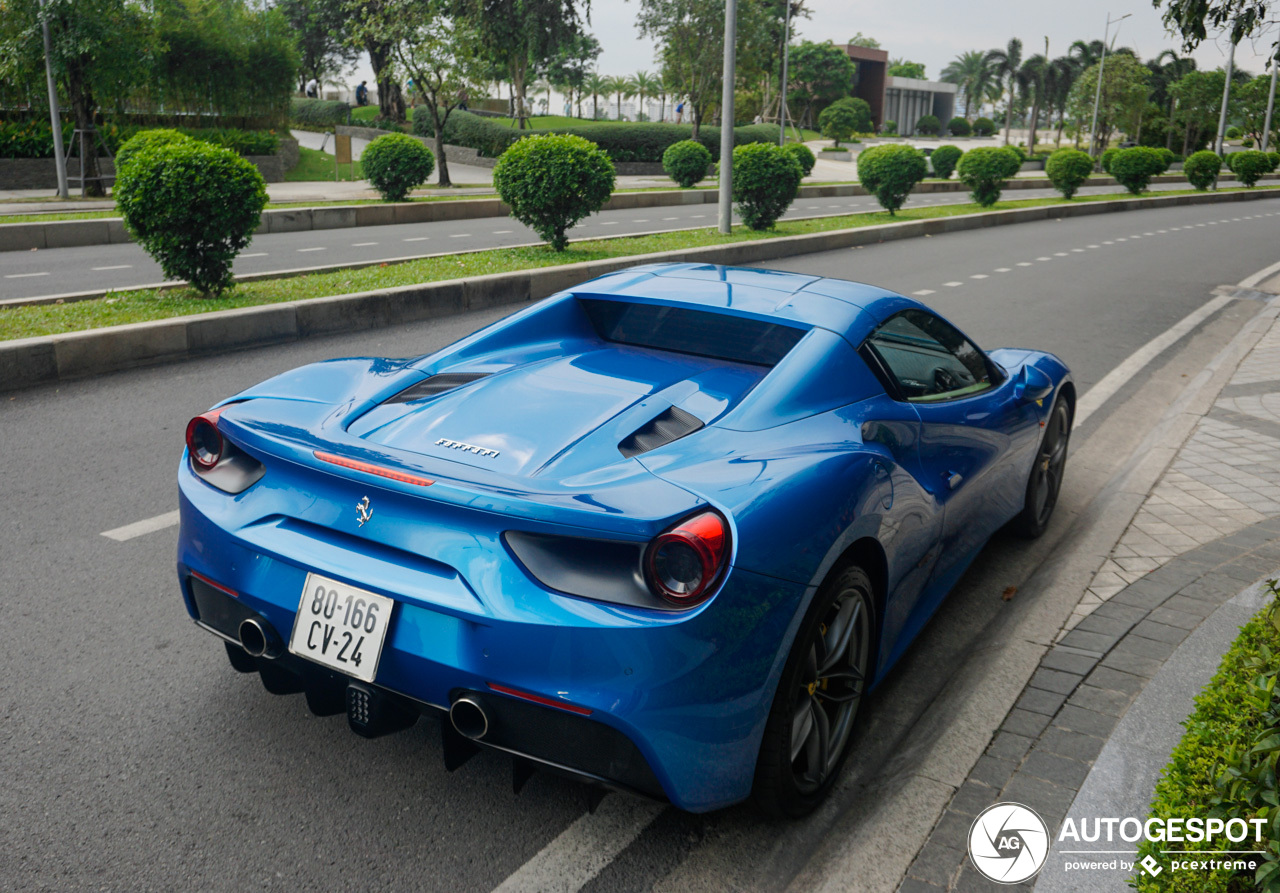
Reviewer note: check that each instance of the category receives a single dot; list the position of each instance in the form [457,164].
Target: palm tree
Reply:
[970,72]
[596,86]
[645,85]
[1059,78]
[1005,65]
[620,86]
[1031,80]
[1164,76]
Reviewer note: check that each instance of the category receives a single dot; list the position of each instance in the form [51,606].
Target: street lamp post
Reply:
[1097,94]
[726,116]
[1271,102]
[782,98]
[1226,92]
[55,118]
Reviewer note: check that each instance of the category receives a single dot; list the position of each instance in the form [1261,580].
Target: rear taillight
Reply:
[204,441]
[684,563]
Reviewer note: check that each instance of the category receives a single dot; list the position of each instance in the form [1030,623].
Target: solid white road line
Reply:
[118,267]
[139,528]
[585,848]
[1118,377]
[1251,281]
[24,275]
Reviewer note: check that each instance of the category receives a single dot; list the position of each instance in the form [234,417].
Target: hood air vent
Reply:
[671,424]
[436,384]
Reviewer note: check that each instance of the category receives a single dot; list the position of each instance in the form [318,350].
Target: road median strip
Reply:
[29,361]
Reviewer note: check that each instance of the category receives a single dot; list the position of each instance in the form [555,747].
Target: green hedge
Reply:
[318,113]
[621,142]
[34,139]
[1225,765]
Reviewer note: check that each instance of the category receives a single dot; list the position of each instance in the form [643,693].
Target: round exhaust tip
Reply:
[469,718]
[258,639]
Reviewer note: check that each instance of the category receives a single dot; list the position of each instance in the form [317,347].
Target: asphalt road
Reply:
[57,271]
[133,758]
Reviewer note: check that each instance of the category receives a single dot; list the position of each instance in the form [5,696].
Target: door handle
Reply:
[954,480]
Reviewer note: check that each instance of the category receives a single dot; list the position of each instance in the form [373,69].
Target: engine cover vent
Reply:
[671,424]
[436,384]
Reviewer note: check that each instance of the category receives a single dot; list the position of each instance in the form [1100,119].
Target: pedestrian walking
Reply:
[313,89]
[362,93]
[680,112]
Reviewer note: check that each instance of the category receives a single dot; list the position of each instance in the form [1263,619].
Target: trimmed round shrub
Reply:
[803,154]
[144,140]
[553,181]
[1104,160]
[984,127]
[395,164]
[686,162]
[1020,152]
[766,179]
[1068,169]
[841,119]
[1233,132]
[1169,158]
[1275,160]
[959,127]
[1133,168]
[1247,142]
[889,127]
[929,125]
[985,169]
[890,172]
[1202,168]
[1229,160]
[193,207]
[943,160]
[1250,165]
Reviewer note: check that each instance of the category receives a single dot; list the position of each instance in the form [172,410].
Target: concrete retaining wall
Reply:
[51,358]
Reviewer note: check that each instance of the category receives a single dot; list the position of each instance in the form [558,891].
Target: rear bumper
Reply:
[677,705]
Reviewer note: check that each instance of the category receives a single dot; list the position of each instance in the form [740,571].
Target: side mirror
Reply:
[1032,385]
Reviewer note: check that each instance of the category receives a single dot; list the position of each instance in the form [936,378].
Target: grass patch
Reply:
[315,165]
[1233,715]
[124,307]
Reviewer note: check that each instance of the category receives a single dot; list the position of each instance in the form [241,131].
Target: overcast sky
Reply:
[936,31]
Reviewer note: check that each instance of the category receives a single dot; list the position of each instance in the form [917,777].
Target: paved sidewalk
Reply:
[1207,531]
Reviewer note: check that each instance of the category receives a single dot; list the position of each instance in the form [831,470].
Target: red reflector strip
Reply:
[374,469]
[539,699]
[218,586]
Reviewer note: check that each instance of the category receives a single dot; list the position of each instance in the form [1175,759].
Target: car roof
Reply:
[849,308]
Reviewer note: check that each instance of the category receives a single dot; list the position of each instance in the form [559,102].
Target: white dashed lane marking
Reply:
[952,284]
[363,244]
[418,239]
[922,292]
[24,275]
[260,254]
[303,250]
[126,266]
[502,232]
[1003,269]
[979,276]
[460,236]
[139,528]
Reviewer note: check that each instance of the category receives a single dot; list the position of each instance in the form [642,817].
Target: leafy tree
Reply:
[522,36]
[862,40]
[1193,19]
[99,51]
[839,121]
[438,51]
[818,74]
[1032,79]
[971,73]
[572,64]
[1251,105]
[1197,97]
[1123,97]
[1005,65]
[320,30]
[901,68]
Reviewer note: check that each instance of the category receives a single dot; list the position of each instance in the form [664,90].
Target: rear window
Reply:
[685,330]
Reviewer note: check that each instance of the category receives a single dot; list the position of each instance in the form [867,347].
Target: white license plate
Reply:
[340,627]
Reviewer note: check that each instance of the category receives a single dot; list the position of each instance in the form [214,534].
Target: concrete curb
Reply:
[31,361]
[110,230]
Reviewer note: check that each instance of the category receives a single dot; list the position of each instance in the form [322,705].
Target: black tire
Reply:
[1044,483]
[793,777]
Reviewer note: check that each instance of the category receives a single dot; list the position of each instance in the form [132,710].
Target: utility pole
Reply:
[1097,94]
[55,117]
[726,116]
[1271,101]
[1226,91]
[786,52]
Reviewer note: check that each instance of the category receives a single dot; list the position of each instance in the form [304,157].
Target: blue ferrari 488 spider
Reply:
[661,531]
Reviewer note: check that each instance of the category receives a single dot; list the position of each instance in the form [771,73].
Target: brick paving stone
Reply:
[1089,722]
[1041,795]
[1116,680]
[1055,680]
[1039,701]
[1009,746]
[1149,629]
[1173,617]
[1146,599]
[1120,611]
[992,771]
[1068,661]
[953,826]
[1128,662]
[912,885]
[1135,644]
[1095,642]
[1101,700]
[937,865]
[1187,605]
[1076,745]
[1103,625]
[973,797]
[1056,768]
[1025,722]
